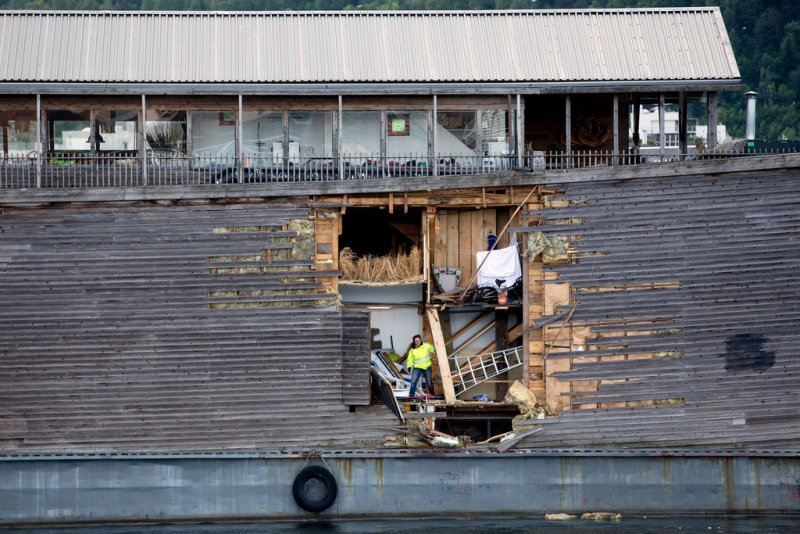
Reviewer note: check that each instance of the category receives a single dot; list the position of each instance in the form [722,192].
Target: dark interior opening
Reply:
[479,428]
[377,232]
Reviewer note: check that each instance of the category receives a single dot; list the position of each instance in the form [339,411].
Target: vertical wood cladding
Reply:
[171,327]
[689,288]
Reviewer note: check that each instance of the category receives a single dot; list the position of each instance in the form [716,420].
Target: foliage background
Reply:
[765,35]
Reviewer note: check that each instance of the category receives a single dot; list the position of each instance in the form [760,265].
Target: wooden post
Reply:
[683,135]
[143,140]
[478,151]
[441,355]
[500,343]
[615,123]
[568,126]
[286,140]
[339,141]
[435,136]
[382,159]
[40,131]
[428,217]
[662,137]
[636,111]
[238,140]
[189,136]
[431,129]
[520,133]
[711,140]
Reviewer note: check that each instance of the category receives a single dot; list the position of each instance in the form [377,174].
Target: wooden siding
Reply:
[684,292]
[459,234]
[172,328]
[356,344]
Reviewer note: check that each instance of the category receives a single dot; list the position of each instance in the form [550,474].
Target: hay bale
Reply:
[381,269]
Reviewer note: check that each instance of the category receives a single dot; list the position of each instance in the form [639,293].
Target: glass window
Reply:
[406,134]
[165,131]
[214,136]
[456,133]
[262,134]
[494,132]
[69,129]
[310,136]
[19,132]
[361,133]
[116,130]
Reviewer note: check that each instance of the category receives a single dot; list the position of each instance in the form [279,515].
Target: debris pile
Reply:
[416,433]
[526,402]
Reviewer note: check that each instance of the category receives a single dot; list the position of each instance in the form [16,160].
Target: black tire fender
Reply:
[314,488]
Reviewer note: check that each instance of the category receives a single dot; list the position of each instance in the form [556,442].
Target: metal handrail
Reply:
[72,169]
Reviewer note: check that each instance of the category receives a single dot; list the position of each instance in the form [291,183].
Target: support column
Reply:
[143,140]
[568,127]
[238,140]
[711,140]
[637,108]
[435,136]
[285,118]
[384,162]
[500,343]
[615,126]
[339,141]
[520,133]
[683,135]
[189,140]
[40,128]
[662,138]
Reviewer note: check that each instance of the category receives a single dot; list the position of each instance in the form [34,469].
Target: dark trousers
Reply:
[416,373]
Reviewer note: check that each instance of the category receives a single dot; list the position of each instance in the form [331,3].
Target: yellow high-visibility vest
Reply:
[420,357]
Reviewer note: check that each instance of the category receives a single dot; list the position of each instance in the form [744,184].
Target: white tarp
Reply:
[502,265]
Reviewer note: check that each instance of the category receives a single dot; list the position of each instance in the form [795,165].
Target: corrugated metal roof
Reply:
[366,47]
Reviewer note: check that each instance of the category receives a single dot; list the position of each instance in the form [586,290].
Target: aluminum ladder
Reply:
[471,371]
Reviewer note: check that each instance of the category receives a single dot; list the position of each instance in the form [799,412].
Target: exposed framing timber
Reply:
[662,139]
[711,110]
[441,355]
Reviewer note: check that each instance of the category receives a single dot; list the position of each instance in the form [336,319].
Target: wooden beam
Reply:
[391,202]
[472,338]
[637,108]
[568,126]
[683,135]
[441,355]
[711,139]
[615,123]
[472,323]
[662,125]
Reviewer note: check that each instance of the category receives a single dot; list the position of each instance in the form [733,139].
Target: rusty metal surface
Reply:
[366,47]
[173,488]
[689,286]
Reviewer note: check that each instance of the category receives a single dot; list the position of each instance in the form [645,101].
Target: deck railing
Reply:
[129,169]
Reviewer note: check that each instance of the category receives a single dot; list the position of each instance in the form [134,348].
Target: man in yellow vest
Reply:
[419,361]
